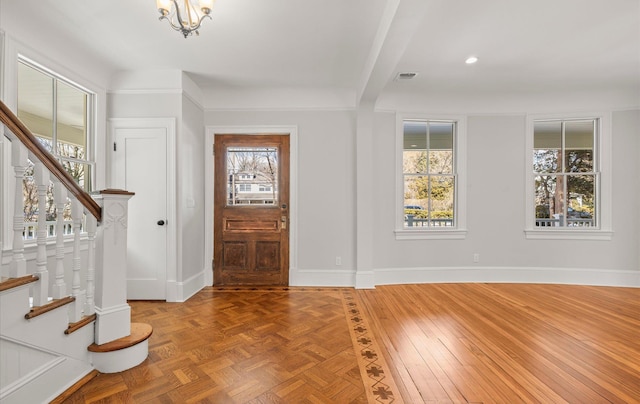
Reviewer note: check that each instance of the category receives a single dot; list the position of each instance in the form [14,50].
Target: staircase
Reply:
[63,308]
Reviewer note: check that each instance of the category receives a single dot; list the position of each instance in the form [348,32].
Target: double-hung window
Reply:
[564,197]
[60,115]
[430,152]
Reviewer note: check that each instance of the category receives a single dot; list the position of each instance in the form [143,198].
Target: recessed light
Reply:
[471,60]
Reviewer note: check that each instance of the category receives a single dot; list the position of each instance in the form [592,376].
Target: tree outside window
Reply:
[58,113]
[565,175]
[428,173]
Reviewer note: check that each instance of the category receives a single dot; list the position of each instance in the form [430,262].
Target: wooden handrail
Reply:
[31,143]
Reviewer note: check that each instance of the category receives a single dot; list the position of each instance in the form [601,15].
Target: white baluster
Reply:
[91,265]
[19,161]
[78,306]
[59,286]
[41,289]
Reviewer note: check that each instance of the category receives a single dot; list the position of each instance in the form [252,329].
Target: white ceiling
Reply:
[523,46]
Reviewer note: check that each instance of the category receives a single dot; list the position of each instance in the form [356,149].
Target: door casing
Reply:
[172,293]
[210,132]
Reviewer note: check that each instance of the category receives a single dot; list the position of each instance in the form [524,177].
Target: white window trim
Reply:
[603,186]
[460,202]
[15,55]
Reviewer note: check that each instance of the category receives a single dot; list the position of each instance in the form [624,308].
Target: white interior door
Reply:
[139,165]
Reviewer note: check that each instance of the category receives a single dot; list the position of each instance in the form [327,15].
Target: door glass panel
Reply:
[252,176]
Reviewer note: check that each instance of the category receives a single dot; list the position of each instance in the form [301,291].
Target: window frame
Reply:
[91,129]
[459,229]
[603,186]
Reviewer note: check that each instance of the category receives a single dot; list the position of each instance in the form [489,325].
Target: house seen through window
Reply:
[59,114]
[252,176]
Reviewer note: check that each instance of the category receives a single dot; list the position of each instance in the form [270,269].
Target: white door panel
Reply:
[140,166]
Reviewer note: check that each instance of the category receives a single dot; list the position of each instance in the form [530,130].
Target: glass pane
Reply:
[71,124]
[35,101]
[30,195]
[549,203]
[547,143]
[30,208]
[441,195]
[252,174]
[545,161]
[416,203]
[441,147]
[581,209]
[414,161]
[80,172]
[547,135]
[579,146]
[415,135]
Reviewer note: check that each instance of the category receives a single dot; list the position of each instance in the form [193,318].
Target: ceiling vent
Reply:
[406,75]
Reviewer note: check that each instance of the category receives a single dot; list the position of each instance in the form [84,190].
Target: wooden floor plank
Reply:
[444,343]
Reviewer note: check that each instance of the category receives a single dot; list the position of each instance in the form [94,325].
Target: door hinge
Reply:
[114,146]
[213,150]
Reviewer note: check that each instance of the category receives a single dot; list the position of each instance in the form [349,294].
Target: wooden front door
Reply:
[251,210]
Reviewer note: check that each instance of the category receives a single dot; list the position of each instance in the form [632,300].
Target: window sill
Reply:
[432,234]
[563,234]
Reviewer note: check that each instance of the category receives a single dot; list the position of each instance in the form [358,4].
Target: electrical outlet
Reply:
[476,257]
[338,261]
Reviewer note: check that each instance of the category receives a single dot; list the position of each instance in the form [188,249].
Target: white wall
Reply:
[190,184]
[496,145]
[187,277]
[326,192]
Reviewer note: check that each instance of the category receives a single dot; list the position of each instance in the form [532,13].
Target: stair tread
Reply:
[9,283]
[139,333]
[45,308]
[79,324]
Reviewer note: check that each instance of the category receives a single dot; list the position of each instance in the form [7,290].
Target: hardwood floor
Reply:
[431,343]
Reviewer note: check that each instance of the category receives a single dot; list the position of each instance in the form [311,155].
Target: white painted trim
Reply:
[169,124]
[210,132]
[460,161]
[112,323]
[325,278]
[401,276]
[182,291]
[29,378]
[572,276]
[122,359]
[604,186]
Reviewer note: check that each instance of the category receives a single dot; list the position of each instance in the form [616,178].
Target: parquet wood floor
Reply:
[433,343]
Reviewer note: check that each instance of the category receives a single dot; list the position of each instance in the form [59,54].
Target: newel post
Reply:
[113,311]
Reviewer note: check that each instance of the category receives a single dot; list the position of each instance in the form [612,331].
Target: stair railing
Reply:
[24,147]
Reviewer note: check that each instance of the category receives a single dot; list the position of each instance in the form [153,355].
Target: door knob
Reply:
[160,222]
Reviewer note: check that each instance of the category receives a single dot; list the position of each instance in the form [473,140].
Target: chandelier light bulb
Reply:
[183,16]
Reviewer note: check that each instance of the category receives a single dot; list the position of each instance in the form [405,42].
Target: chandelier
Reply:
[183,16]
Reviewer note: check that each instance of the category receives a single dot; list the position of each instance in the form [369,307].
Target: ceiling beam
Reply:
[398,24]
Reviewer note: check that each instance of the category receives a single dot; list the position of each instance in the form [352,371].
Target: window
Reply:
[250,169]
[60,115]
[429,177]
[565,193]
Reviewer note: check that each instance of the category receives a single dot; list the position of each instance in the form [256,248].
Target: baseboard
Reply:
[573,276]
[391,276]
[182,291]
[324,278]
[45,383]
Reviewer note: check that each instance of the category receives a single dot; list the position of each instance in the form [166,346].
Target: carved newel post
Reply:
[113,311]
